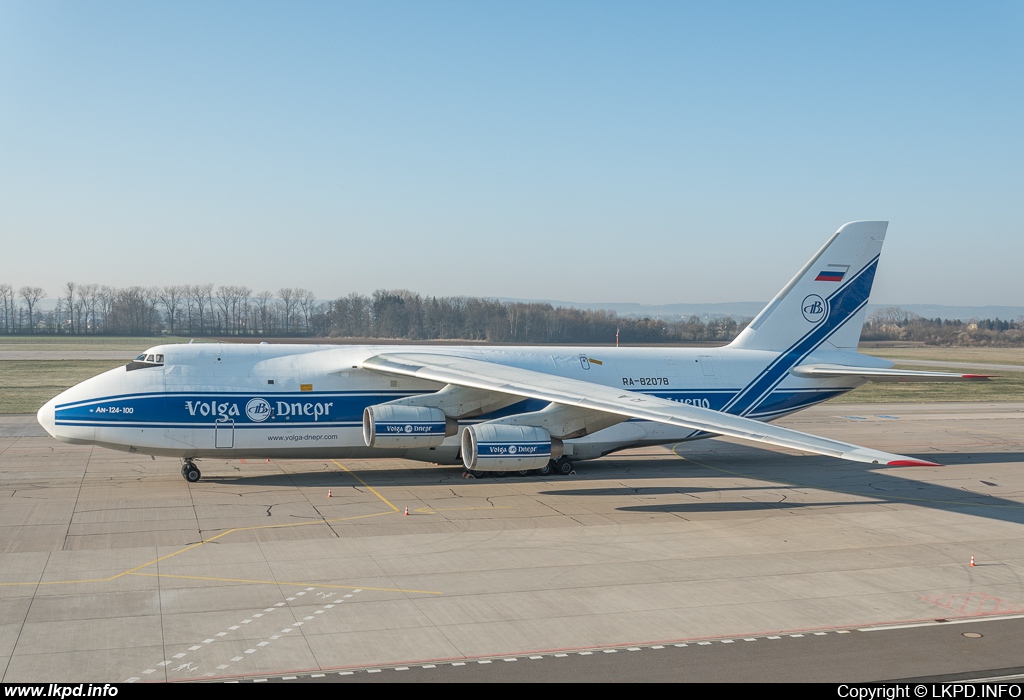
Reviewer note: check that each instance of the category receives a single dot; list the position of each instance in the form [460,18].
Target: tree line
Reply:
[202,310]
[191,309]
[894,323]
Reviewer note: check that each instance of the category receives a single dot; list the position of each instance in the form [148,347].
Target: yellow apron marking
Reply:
[135,571]
[371,489]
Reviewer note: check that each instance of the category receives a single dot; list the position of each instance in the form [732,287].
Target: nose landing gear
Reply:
[190,471]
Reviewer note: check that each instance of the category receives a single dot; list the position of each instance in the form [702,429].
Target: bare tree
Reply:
[234,307]
[69,301]
[171,298]
[136,311]
[287,296]
[263,311]
[305,299]
[106,296]
[202,294]
[190,305]
[86,306]
[7,306]
[57,323]
[31,295]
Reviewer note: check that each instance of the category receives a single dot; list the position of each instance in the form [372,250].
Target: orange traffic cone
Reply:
[972,560]
[407,510]
[328,493]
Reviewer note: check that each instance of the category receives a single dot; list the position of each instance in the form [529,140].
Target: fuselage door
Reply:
[224,433]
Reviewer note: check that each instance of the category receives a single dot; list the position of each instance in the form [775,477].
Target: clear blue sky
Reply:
[586,151]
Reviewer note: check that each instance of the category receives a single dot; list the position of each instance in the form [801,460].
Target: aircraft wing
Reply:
[876,374]
[490,376]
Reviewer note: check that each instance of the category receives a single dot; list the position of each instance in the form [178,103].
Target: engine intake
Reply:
[397,426]
[496,447]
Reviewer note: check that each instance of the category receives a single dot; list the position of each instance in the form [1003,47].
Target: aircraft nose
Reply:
[45,416]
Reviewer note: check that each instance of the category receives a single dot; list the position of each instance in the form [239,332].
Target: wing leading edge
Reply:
[489,376]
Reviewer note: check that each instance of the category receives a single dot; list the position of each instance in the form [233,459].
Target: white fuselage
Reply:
[307,401]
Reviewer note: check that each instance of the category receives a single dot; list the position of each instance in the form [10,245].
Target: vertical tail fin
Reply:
[825,302]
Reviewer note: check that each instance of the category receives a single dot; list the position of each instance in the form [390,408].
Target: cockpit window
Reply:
[146,359]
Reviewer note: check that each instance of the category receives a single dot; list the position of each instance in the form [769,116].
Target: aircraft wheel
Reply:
[500,474]
[563,466]
[191,473]
[546,469]
[523,472]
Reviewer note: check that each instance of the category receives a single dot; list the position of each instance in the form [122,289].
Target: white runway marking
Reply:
[194,666]
[592,652]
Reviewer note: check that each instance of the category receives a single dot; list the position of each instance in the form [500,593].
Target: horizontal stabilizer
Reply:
[878,374]
[503,379]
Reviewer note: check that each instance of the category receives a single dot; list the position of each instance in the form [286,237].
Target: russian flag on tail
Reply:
[833,273]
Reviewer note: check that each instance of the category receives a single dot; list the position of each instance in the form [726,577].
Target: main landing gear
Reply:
[190,471]
[561,466]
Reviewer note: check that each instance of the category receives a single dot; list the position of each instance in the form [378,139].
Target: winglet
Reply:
[912,463]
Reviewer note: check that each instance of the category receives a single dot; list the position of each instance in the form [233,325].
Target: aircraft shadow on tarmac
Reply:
[849,478]
[778,471]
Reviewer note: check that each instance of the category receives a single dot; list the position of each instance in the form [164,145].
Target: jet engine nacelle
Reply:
[495,447]
[399,426]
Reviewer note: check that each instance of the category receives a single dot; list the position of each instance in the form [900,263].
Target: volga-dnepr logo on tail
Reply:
[814,308]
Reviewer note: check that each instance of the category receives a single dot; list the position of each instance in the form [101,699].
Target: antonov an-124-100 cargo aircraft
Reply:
[500,409]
